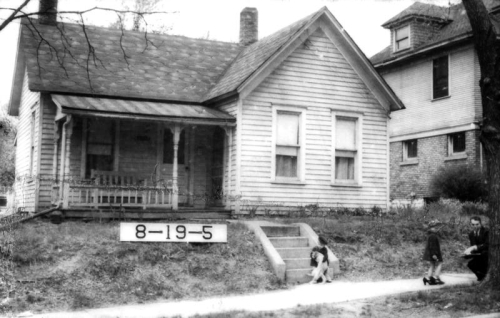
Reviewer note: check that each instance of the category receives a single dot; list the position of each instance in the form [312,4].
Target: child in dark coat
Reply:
[432,254]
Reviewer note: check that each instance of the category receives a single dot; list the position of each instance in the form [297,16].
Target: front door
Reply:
[217,169]
[166,168]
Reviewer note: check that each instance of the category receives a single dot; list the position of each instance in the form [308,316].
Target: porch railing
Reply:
[115,189]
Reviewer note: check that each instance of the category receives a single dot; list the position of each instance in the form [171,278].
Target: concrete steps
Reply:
[288,248]
[293,249]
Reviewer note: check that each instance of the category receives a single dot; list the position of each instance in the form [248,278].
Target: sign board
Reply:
[162,232]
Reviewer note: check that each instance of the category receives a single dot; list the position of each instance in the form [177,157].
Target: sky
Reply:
[219,20]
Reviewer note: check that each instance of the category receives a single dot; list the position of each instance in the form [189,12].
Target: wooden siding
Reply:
[478,102]
[318,77]
[46,176]
[230,180]
[413,84]
[25,185]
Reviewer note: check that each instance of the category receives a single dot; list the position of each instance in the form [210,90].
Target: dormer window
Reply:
[402,38]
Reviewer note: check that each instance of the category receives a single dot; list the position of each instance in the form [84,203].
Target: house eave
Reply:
[423,50]
[17,79]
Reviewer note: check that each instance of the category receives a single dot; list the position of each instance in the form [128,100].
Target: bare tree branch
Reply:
[13,15]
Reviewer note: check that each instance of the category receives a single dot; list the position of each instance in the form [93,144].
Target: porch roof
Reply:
[142,110]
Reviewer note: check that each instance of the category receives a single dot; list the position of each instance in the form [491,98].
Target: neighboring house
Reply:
[299,117]
[432,66]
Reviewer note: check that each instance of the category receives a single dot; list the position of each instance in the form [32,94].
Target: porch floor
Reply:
[148,213]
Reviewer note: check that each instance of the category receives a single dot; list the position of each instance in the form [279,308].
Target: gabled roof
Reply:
[167,68]
[457,28]
[419,9]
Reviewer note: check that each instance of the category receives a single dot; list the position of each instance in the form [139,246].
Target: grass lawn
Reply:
[77,265]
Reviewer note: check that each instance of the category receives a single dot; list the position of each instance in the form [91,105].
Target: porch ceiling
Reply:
[142,110]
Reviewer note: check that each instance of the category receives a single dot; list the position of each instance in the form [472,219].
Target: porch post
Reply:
[192,133]
[67,131]
[83,159]
[175,196]
[229,134]
[116,146]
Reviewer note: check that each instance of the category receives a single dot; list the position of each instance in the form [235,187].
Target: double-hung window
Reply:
[410,149]
[347,142]
[440,77]
[288,144]
[456,143]
[402,38]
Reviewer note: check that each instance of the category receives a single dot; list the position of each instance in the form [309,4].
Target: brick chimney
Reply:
[48,8]
[249,26]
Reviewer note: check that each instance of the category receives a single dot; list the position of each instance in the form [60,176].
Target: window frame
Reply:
[358,162]
[451,151]
[433,81]
[406,144]
[302,111]
[396,41]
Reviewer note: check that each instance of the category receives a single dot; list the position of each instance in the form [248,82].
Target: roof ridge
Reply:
[63,23]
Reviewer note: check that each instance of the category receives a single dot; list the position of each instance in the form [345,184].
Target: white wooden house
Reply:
[432,66]
[173,123]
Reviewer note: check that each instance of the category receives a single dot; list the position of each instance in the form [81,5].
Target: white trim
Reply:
[388,167]
[435,132]
[432,77]
[239,126]
[302,144]
[358,159]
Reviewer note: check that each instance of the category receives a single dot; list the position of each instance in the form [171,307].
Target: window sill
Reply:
[440,98]
[293,182]
[346,185]
[409,162]
[458,156]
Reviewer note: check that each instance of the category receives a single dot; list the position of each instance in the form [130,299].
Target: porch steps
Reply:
[294,248]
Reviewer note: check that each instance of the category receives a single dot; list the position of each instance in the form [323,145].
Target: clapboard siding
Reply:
[25,179]
[412,82]
[47,177]
[315,76]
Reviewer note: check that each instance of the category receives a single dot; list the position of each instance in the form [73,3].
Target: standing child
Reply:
[432,254]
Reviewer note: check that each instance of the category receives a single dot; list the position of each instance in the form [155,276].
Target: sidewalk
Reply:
[283,299]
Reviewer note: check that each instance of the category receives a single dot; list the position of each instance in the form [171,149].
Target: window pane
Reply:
[287,151]
[403,44]
[345,133]
[440,77]
[287,128]
[344,168]
[411,149]
[458,141]
[402,33]
[286,166]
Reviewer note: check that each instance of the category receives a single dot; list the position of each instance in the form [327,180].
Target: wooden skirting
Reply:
[148,214]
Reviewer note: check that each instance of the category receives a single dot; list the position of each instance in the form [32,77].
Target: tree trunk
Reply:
[488,50]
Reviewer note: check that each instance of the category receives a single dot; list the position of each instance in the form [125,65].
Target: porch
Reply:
[143,159]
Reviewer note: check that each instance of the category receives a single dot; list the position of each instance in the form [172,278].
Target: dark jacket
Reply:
[481,241]
[432,248]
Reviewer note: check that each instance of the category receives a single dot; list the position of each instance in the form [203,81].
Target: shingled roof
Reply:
[166,68]
[163,67]
[131,64]
[458,26]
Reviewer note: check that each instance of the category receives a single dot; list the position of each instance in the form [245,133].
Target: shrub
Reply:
[462,182]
